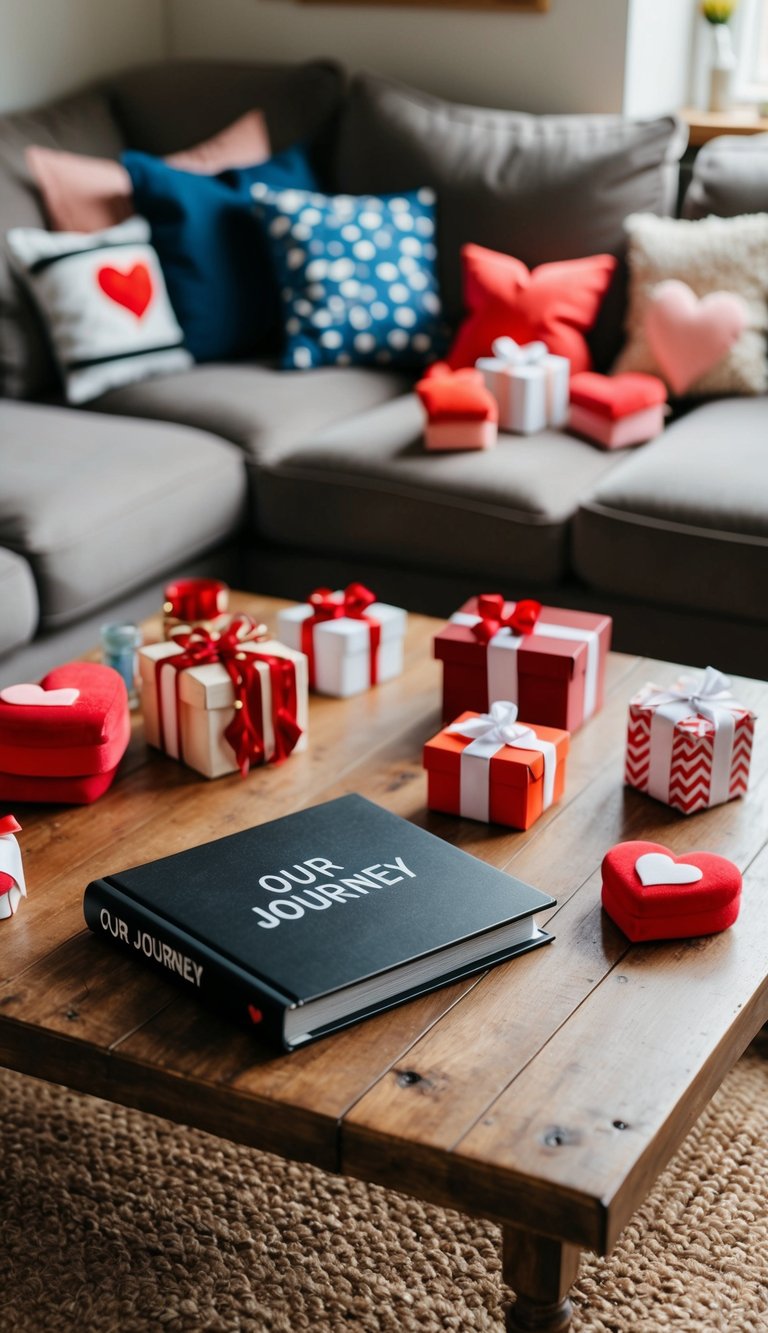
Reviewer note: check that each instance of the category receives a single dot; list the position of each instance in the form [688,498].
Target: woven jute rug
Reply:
[112,1220]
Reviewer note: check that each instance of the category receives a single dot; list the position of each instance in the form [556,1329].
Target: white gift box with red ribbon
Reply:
[347,654]
[689,746]
[188,715]
[530,385]
[12,885]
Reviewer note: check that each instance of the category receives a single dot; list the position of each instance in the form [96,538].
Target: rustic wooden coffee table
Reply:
[547,1094]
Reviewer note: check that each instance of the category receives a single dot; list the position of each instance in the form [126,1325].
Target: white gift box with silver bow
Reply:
[689,746]
[490,767]
[530,385]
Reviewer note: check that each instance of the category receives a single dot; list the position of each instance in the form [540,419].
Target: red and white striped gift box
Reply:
[689,761]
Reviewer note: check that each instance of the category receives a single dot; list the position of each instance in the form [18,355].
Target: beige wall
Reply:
[48,47]
[569,59]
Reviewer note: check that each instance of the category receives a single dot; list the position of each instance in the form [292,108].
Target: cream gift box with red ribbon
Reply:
[352,641]
[490,767]
[530,385]
[12,885]
[689,746]
[548,660]
[219,716]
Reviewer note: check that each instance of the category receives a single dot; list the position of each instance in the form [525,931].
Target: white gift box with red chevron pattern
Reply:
[689,780]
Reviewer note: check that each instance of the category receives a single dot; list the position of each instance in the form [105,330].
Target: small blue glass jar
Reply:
[119,644]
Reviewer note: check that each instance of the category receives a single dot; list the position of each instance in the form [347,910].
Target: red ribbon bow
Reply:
[9,825]
[352,605]
[245,732]
[490,608]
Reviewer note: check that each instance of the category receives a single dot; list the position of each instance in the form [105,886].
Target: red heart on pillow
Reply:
[652,894]
[132,289]
[555,303]
[458,395]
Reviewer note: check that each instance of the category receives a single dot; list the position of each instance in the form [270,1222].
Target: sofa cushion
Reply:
[367,487]
[18,602]
[685,521]
[539,187]
[215,259]
[729,177]
[165,107]
[80,124]
[99,506]
[264,410]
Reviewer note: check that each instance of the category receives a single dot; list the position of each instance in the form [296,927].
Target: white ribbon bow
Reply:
[500,726]
[709,697]
[519,354]
[490,732]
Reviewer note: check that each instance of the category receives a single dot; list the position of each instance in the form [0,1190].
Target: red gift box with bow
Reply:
[492,768]
[223,702]
[548,660]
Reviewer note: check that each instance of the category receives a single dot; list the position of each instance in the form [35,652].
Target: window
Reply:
[751,39]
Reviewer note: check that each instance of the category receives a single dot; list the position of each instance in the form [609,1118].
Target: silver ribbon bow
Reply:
[499,727]
[519,354]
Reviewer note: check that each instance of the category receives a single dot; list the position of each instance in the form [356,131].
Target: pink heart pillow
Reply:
[688,335]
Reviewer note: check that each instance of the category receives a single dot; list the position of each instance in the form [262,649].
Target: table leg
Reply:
[540,1272]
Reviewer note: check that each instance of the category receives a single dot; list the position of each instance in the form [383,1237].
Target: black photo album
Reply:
[308,923]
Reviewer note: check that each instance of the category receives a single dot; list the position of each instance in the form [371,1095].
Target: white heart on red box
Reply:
[34,696]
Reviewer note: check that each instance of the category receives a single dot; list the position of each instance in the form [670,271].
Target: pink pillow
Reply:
[88,194]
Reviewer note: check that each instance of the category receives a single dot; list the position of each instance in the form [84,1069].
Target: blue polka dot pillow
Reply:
[356,275]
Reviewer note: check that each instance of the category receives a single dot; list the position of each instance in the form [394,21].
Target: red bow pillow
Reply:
[555,303]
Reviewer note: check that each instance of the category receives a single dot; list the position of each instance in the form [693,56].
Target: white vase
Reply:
[722,69]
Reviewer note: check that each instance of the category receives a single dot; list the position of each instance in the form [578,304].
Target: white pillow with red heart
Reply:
[697,313]
[104,302]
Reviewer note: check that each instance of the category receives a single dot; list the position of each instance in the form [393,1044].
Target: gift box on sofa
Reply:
[689,746]
[531,386]
[224,703]
[490,767]
[351,640]
[62,739]
[548,660]
[616,411]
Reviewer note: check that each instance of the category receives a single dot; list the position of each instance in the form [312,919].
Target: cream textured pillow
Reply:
[712,255]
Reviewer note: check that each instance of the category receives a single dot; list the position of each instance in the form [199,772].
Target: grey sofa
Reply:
[282,480]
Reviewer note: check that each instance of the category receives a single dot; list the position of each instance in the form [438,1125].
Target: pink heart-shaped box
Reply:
[64,752]
[689,335]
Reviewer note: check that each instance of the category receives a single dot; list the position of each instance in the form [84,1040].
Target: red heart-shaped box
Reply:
[65,753]
[669,911]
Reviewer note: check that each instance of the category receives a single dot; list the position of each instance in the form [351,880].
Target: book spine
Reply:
[208,976]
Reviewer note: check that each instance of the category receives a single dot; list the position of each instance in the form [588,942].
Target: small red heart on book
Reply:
[6,882]
[132,289]
[254,1014]
[652,894]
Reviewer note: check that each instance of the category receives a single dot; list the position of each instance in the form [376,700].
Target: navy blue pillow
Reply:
[216,264]
[357,277]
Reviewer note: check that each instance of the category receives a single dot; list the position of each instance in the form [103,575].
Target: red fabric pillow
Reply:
[556,303]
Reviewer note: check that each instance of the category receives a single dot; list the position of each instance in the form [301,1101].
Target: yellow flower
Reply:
[718,11]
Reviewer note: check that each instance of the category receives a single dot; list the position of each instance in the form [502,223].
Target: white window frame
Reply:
[746,26]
